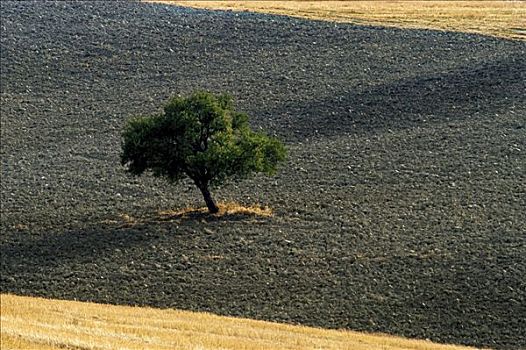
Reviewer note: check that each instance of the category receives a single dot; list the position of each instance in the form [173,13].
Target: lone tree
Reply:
[201,137]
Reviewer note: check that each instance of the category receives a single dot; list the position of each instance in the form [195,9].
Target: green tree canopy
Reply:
[201,137]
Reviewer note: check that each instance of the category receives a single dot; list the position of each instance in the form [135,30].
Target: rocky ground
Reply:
[400,209]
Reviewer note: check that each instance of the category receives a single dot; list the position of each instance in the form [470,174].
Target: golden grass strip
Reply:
[498,18]
[42,324]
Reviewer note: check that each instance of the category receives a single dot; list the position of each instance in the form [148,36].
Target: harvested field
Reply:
[400,210]
[500,18]
[43,324]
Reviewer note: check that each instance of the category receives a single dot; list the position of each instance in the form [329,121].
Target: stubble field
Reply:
[400,209]
[500,18]
[44,324]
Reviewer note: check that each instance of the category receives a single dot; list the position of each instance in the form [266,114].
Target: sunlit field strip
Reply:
[42,324]
[498,18]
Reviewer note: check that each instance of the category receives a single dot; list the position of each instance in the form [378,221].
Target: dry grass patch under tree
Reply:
[225,209]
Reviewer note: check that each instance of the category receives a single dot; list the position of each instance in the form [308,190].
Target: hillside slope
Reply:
[400,209]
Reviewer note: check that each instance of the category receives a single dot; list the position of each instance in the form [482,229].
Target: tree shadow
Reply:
[98,241]
[82,244]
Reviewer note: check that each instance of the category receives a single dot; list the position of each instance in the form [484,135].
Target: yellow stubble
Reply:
[497,18]
[42,324]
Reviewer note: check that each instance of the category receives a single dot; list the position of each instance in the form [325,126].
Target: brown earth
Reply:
[400,209]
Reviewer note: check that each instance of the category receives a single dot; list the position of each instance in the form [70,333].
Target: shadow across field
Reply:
[53,249]
[489,88]
[95,241]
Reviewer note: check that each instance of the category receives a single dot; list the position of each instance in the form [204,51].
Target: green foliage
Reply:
[201,137]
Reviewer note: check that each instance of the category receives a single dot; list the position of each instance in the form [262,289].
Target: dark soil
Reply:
[401,208]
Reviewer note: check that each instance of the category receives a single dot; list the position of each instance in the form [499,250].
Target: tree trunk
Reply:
[212,207]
